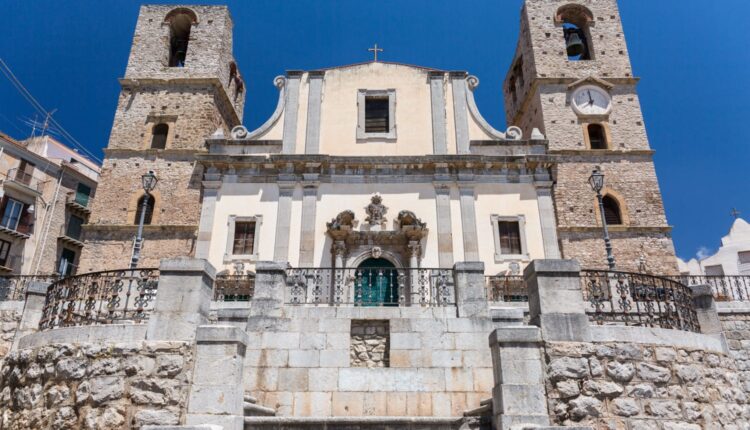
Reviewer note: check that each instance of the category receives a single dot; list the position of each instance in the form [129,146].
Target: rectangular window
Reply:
[510,237]
[83,192]
[714,270]
[744,262]
[12,212]
[66,266]
[74,227]
[4,252]
[244,238]
[376,115]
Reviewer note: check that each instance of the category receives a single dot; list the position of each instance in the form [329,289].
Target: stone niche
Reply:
[370,343]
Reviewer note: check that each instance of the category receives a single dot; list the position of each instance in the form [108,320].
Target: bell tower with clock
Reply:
[572,79]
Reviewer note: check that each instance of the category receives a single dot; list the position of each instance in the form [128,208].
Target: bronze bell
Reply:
[574,42]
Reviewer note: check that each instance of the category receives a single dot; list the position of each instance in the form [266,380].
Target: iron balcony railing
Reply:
[511,288]
[725,288]
[234,288]
[638,300]
[25,178]
[370,287]
[109,297]
[14,287]
[78,200]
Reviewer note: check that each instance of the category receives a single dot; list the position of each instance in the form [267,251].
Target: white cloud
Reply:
[703,252]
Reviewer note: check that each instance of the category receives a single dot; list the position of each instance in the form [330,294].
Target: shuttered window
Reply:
[376,115]
[510,237]
[244,238]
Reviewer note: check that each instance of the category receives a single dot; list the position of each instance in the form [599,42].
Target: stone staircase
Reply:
[261,417]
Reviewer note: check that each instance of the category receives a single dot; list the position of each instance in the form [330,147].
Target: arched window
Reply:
[159,136]
[575,21]
[612,211]
[149,209]
[180,22]
[597,136]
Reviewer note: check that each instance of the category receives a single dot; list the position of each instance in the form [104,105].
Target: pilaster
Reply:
[437,96]
[468,220]
[283,220]
[444,225]
[211,186]
[547,219]
[460,111]
[315,95]
[471,294]
[291,109]
[309,208]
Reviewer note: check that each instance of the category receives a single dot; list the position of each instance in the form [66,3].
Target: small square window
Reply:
[244,238]
[376,115]
[714,270]
[510,238]
[4,252]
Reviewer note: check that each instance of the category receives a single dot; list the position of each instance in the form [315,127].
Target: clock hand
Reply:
[591,99]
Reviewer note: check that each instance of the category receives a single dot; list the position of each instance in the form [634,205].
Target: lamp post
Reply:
[148,181]
[596,180]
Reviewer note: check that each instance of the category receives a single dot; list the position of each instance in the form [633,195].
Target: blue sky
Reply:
[693,57]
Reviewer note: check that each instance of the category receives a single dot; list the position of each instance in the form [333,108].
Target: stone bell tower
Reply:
[181,86]
[571,77]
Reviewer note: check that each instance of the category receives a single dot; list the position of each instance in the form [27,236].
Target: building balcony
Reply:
[78,202]
[20,230]
[71,234]
[23,182]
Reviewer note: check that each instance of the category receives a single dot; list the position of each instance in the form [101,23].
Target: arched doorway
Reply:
[376,283]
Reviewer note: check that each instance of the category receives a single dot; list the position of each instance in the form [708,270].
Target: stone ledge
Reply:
[469,266]
[92,334]
[221,334]
[186,264]
[524,334]
[659,336]
[733,307]
[547,267]
[12,305]
[271,266]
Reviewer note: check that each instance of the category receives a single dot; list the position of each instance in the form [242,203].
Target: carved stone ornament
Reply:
[514,268]
[376,252]
[514,133]
[239,132]
[376,211]
[342,220]
[409,219]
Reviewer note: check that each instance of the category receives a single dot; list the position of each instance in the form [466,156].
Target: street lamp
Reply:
[148,181]
[596,180]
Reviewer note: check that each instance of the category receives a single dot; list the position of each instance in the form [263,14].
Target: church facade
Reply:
[409,136]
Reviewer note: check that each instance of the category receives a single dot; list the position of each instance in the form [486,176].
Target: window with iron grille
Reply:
[611,211]
[244,238]
[376,115]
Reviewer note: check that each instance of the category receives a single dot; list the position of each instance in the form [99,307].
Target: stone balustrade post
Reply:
[556,300]
[216,394]
[183,299]
[36,293]
[471,294]
[268,298]
[518,398]
[705,309]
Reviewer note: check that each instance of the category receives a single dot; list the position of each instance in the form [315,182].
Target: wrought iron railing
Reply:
[234,288]
[509,288]
[109,297]
[13,287]
[725,288]
[638,300]
[370,287]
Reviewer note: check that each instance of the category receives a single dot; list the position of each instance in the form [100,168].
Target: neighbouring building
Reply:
[47,190]
[732,258]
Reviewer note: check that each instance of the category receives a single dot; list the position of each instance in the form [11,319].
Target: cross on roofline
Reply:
[735,213]
[375,50]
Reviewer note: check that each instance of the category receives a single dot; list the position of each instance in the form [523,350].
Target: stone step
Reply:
[353,423]
[250,399]
[482,410]
[254,410]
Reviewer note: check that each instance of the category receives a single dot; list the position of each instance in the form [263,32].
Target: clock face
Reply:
[591,100]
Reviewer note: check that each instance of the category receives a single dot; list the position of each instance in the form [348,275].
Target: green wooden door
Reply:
[376,283]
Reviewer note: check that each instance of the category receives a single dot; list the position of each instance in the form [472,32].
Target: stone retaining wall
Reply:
[10,317]
[736,327]
[94,386]
[631,386]
[438,365]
